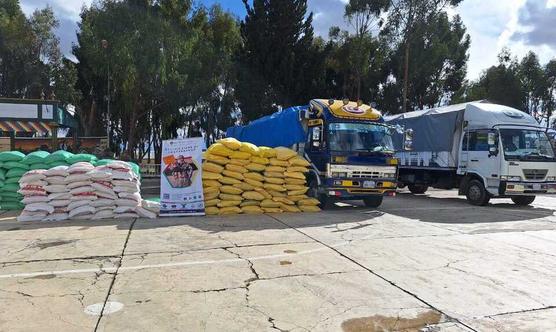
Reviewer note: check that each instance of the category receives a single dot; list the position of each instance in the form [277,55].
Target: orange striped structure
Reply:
[25,126]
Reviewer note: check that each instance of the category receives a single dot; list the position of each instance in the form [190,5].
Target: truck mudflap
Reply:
[521,188]
[358,188]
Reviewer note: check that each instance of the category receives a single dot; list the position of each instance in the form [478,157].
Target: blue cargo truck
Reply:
[348,145]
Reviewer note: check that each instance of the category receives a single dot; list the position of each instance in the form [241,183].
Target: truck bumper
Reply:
[359,188]
[527,188]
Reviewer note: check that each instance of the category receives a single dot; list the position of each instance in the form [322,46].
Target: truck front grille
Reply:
[371,175]
[535,174]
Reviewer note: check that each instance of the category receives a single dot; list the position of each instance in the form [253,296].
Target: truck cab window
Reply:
[475,141]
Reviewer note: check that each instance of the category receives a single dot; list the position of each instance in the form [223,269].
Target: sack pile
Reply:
[239,177]
[82,191]
[11,170]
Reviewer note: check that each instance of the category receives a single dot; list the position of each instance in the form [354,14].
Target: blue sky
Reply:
[520,25]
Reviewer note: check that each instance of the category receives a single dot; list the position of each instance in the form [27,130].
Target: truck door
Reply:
[315,145]
[477,156]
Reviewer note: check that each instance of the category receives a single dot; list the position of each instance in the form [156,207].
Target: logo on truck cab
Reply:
[353,109]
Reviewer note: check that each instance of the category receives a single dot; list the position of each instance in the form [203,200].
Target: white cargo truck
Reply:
[483,149]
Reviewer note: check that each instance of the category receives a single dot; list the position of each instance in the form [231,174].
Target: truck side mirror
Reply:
[492,151]
[408,140]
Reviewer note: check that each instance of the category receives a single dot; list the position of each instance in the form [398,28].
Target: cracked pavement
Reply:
[419,263]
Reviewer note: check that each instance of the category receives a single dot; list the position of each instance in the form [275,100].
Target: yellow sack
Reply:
[222,204]
[212,211]
[255,167]
[309,208]
[239,162]
[283,200]
[299,161]
[299,169]
[274,180]
[278,169]
[211,176]
[252,210]
[295,181]
[290,208]
[230,143]
[254,183]
[250,203]
[283,153]
[295,186]
[264,193]
[272,210]
[228,180]
[250,148]
[210,167]
[266,152]
[277,193]
[253,195]
[211,183]
[260,160]
[244,186]
[212,202]
[240,155]
[309,201]
[211,195]
[230,210]
[267,203]
[230,190]
[254,176]
[232,174]
[275,187]
[210,190]
[277,162]
[230,197]
[297,198]
[236,168]
[273,175]
[295,175]
[215,159]
[297,192]
[219,150]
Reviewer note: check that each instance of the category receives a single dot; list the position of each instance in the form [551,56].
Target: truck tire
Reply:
[477,194]
[373,201]
[523,200]
[417,189]
[326,202]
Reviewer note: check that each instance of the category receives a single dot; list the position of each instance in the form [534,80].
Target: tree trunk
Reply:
[131,133]
[405,76]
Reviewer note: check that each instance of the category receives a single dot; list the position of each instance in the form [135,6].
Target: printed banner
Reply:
[181,186]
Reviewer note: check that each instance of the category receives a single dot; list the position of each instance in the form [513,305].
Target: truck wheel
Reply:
[417,188]
[325,201]
[477,194]
[373,201]
[523,200]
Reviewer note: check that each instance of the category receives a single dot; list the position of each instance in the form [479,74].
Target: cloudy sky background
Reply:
[520,25]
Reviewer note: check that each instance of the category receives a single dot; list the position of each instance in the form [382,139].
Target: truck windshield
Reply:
[524,144]
[359,137]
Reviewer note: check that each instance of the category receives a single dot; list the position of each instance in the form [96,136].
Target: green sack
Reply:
[15,179]
[11,206]
[2,174]
[103,162]
[136,169]
[40,166]
[11,156]
[11,194]
[57,163]
[9,187]
[81,157]
[11,199]
[15,172]
[15,164]
[35,157]
[60,155]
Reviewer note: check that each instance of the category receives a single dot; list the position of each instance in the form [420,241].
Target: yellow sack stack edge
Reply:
[239,177]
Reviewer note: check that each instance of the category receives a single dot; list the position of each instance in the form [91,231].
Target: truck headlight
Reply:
[339,174]
[389,175]
[551,178]
[510,177]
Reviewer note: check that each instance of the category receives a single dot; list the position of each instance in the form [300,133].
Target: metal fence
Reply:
[150,170]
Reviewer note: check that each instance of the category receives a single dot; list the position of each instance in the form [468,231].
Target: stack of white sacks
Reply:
[82,191]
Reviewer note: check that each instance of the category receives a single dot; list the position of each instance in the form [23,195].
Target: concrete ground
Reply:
[430,263]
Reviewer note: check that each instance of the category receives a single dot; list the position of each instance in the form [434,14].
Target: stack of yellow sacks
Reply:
[239,177]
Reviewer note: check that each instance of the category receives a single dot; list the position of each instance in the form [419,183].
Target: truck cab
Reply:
[351,152]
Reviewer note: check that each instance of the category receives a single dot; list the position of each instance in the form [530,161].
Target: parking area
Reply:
[429,262]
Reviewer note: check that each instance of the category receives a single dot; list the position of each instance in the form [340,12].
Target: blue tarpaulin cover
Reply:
[279,129]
